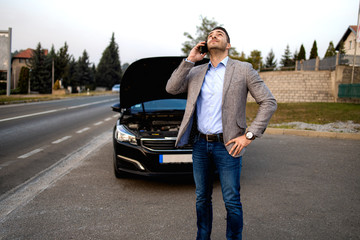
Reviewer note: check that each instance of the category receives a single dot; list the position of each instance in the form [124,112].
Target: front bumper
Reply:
[142,161]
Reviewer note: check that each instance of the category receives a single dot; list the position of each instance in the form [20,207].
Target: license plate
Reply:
[175,158]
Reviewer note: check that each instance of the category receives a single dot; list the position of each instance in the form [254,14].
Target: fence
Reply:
[328,63]
[349,91]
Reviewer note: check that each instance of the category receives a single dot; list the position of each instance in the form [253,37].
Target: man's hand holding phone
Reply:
[198,52]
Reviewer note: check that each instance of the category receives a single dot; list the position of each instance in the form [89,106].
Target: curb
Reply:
[308,133]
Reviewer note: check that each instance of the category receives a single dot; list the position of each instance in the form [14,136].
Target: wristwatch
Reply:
[250,136]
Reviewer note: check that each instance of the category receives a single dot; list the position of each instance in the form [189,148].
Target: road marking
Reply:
[30,115]
[108,119]
[5,164]
[98,123]
[54,110]
[116,116]
[61,140]
[31,153]
[26,192]
[83,130]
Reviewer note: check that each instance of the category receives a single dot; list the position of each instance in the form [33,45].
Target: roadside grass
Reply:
[18,98]
[314,113]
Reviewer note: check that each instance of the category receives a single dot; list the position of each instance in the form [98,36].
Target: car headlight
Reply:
[124,135]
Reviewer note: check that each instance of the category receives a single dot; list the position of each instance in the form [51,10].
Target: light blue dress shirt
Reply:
[209,102]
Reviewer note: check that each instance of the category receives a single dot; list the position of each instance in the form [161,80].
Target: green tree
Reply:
[108,71]
[255,59]
[202,32]
[302,53]
[83,73]
[40,77]
[287,60]
[270,61]
[69,76]
[314,51]
[330,50]
[342,47]
[241,57]
[62,61]
[24,80]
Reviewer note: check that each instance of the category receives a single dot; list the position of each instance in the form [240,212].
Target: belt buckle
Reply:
[207,137]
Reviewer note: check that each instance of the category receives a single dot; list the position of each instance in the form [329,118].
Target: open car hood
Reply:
[145,80]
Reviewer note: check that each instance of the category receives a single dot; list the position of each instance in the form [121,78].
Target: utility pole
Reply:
[357,39]
[52,76]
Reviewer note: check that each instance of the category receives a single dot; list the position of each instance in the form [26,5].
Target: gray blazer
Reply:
[240,78]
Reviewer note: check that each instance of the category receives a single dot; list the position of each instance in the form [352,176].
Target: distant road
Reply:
[34,136]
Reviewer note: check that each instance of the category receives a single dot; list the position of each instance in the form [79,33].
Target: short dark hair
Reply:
[224,30]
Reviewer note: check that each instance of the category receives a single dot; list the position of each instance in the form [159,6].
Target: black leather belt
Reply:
[212,137]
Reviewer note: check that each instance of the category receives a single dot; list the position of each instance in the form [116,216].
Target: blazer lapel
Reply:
[227,78]
[199,80]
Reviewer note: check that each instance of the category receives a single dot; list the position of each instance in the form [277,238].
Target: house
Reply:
[22,59]
[349,41]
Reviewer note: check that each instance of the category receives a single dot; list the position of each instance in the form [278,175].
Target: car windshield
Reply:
[160,105]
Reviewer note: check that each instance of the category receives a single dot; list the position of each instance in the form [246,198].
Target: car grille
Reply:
[159,144]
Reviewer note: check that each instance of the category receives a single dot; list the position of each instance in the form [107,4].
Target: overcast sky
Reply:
[147,28]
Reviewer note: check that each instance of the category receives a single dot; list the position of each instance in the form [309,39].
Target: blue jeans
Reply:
[206,157]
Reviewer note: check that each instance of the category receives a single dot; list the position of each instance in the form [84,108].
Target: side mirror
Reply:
[116,107]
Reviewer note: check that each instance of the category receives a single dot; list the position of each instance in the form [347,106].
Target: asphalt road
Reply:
[293,187]
[34,136]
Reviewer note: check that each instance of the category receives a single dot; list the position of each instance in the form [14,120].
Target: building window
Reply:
[350,43]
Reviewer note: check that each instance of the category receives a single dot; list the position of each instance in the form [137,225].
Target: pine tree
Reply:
[342,47]
[40,77]
[69,75]
[302,53]
[330,50]
[109,71]
[24,80]
[270,61]
[62,60]
[287,60]
[83,73]
[314,51]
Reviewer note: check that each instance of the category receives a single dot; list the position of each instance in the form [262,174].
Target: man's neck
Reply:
[216,58]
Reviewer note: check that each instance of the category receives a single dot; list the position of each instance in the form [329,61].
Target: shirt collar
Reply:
[224,61]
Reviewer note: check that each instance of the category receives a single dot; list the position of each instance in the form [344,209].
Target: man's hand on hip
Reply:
[239,144]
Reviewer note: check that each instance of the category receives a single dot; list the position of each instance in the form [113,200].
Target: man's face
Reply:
[217,40]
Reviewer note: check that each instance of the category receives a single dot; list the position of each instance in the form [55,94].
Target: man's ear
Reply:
[228,46]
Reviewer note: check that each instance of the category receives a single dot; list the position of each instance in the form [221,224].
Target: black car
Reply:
[145,133]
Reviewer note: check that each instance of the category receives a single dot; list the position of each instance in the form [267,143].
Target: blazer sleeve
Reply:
[179,80]
[265,99]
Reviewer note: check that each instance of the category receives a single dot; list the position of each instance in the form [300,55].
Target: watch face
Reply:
[249,135]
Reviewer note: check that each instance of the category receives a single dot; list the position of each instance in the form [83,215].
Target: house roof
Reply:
[351,28]
[25,54]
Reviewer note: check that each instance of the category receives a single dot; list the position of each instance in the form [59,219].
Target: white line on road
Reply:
[54,110]
[108,119]
[31,153]
[83,130]
[24,193]
[30,115]
[5,164]
[98,123]
[61,140]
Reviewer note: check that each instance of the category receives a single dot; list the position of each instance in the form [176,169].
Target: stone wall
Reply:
[300,86]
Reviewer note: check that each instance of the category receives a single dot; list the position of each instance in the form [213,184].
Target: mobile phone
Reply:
[203,49]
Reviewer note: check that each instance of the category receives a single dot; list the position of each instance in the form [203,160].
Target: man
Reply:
[217,95]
